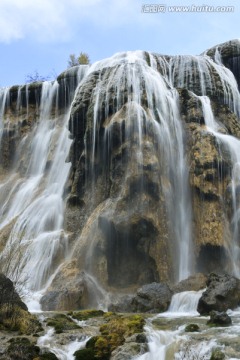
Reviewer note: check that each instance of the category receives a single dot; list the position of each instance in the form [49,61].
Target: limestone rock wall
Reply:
[120,227]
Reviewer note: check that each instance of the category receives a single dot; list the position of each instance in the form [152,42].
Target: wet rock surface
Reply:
[119,224]
[193,283]
[151,298]
[8,294]
[223,293]
[219,319]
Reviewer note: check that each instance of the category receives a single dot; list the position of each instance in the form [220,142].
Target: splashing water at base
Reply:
[47,342]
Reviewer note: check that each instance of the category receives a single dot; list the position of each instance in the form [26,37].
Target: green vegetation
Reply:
[82,59]
[86,314]
[217,355]
[21,348]
[84,354]
[14,318]
[113,334]
[192,328]
[46,356]
[61,322]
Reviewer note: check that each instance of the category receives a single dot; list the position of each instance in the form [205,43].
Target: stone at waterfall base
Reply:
[223,293]
[151,298]
[219,319]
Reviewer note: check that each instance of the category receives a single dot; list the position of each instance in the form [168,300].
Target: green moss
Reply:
[113,334]
[17,319]
[87,314]
[61,322]
[22,349]
[124,325]
[100,347]
[192,328]
[109,314]
[47,356]
[84,354]
[217,355]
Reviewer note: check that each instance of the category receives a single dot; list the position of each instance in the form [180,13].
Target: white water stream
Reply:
[176,344]
[143,84]
[32,201]
[32,198]
[47,342]
[232,145]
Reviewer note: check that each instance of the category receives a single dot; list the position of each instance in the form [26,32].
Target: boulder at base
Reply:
[223,292]
[219,319]
[151,298]
[8,295]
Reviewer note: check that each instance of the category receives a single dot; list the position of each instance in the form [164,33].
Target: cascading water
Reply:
[165,344]
[129,107]
[35,204]
[233,147]
[140,86]
[4,93]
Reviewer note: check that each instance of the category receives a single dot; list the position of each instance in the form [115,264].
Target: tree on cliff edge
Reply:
[82,59]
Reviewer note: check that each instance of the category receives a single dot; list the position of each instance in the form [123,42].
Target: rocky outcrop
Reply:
[229,53]
[72,293]
[193,283]
[210,180]
[8,295]
[223,293]
[151,298]
[146,174]
[219,319]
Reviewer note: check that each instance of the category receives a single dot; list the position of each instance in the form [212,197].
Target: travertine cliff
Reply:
[153,189]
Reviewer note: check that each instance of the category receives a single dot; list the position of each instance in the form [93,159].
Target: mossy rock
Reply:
[84,354]
[125,325]
[113,335]
[192,328]
[46,356]
[217,355]
[100,347]
[22,349]
[86,314]
[61,323]
[19,320]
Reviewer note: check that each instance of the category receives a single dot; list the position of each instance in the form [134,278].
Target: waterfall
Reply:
[185,302]
[151,105]
[35,204]
[165,344]
[232,144]
[4,99]
[135,192]
[63,352]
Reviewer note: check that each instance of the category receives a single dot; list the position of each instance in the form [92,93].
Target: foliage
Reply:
[61,322]
[86,314]
[22,349]
[14,318]
[84,354]
[113,334]
[217,355]
[82,59]
[192,328]
[46,356]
